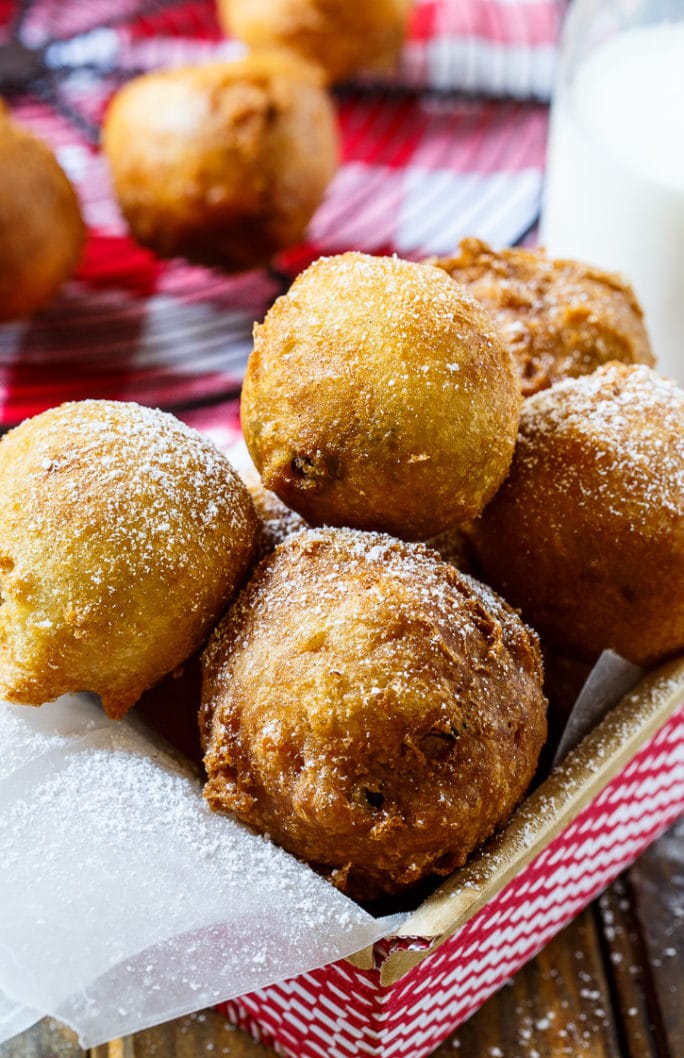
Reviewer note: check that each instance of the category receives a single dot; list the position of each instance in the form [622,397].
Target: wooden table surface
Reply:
[611,985]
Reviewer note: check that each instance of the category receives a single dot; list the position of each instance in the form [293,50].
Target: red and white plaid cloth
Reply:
[453,147]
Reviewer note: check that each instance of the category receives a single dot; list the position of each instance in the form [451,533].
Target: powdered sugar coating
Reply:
[631,421]
[124,534]
[587,533]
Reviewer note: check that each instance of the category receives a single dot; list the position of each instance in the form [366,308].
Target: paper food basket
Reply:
[610,798]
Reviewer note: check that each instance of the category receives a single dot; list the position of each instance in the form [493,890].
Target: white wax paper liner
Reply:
[15,1019]
[123,900]
[608,682]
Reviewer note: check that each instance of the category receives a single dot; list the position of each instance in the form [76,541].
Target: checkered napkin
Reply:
[453,146]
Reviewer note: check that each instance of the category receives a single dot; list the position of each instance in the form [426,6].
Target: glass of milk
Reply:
[614,194]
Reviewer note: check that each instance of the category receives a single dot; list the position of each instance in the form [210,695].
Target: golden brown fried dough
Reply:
[560,318]
[339,36]
[453,545]
[41,229]
[380,396]
[123,535]
[277,521]
[224,164]
[373,710]
[587,533]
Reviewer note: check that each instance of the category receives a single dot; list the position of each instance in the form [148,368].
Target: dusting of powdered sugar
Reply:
[320,571]
[627,423]
[109,849]
[134,476]
[432,322]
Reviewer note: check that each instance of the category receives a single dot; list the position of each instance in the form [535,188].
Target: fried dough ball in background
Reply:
[123,535]
[373,710]
[340,37]
[586,535]
[41,229]
[224,164]
[560,318]
[380,396]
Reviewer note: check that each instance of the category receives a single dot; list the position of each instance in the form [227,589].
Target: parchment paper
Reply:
[608,682]
[123,900]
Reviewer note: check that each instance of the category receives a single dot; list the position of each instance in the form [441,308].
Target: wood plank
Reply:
[558,1006]
[657,880]
[47,1039]
[203,1035]
[643,921]
[629,979]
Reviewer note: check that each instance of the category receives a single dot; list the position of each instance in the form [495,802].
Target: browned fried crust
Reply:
[223,163]
[41,230]
[560,318]
[373,710]
[587,533]
[339,36]
[380,396]
[123,535]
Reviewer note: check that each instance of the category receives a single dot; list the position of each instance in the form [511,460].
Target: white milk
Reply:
[615,180]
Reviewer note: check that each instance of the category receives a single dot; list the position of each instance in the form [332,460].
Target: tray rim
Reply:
[540,818]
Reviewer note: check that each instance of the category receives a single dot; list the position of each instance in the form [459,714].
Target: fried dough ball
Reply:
[277,521]
[41,229]
[338,36]
[560,318]
[586,536]
[123,535]
[373,710]
[380,396]
[453,545]
[224,164]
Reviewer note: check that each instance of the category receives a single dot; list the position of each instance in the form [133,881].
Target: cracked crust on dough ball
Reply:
[373,710]
[560,318]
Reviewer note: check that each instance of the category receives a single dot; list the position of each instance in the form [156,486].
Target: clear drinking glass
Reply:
[614,194]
